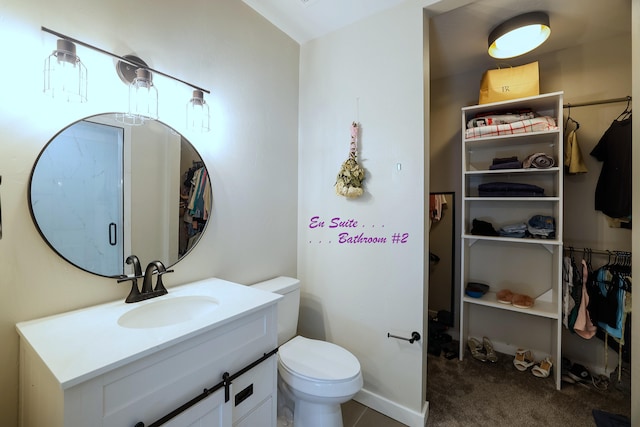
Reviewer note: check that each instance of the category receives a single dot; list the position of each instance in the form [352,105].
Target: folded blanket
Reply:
[537,124]
[498,119]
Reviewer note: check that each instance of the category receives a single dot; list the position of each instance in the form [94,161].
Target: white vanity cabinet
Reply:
[153,371]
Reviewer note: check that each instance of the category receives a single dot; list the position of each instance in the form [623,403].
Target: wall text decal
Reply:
[349,235]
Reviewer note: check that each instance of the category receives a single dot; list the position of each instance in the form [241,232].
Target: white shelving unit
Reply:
[529,266]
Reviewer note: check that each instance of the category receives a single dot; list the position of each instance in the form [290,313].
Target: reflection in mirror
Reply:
[441,257]
[100,192]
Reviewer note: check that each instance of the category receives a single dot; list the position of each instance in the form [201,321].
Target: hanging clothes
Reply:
[567,289]
[583,325]
[200,199]
[613,190]
[573,155]
[437,202]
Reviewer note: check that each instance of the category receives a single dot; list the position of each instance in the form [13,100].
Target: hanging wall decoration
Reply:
[351,175]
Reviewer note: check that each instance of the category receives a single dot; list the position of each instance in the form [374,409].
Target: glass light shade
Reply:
[65,76]
[143,96]
[198,113]
[519,35]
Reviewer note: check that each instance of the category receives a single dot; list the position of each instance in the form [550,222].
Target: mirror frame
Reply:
[125,266]
[451,209]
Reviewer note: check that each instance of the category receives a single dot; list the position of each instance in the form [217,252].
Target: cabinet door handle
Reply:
[243,395]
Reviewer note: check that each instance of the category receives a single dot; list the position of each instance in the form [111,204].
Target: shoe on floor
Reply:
[523,359]
[542,369]
[489,351]
[579,373]
[476,349]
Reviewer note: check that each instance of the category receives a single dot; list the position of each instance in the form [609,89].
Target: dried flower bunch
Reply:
[351,175]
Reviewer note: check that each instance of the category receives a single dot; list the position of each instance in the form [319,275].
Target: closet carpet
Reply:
[473,393]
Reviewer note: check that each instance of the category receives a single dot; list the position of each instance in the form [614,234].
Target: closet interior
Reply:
[595,101]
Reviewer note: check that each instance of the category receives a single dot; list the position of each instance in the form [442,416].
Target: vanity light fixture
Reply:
[519,35]
[198,113]
[65,76]
[143,95]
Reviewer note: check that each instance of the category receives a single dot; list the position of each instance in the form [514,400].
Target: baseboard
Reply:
[393,410]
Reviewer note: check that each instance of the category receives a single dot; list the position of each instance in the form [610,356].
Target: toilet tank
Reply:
[288,306]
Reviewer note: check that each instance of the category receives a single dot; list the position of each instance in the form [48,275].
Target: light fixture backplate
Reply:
[127,71]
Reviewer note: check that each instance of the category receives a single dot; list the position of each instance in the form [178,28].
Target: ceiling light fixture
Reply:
[198,113]
[519,35]
[65,76]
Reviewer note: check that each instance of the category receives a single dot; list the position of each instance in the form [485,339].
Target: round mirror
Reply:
[100,191]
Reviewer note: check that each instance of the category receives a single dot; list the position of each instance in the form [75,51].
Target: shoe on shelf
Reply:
[523,359]
[521,301]
[542,369]
[504,296]
[489,351]
[476,349]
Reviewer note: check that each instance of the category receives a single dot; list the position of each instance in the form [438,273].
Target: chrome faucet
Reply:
[148,290]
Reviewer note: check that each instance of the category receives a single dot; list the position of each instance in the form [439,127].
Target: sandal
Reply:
[474,348]
[522,301]
[504,296]
[490,352]
[542,370]
[523,359]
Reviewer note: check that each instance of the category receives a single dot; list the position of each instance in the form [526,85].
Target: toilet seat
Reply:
[319,368]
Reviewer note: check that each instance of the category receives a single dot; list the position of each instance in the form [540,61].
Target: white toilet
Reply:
[314,377]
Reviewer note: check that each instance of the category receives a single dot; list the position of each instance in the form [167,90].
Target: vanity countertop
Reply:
[82,344]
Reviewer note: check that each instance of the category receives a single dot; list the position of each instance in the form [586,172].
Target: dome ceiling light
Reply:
[519,35]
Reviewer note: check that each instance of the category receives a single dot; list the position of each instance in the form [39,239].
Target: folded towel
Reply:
[509,189]
[539,161]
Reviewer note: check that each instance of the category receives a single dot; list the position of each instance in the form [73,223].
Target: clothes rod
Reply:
[602,101]
[120,58]
[597,251]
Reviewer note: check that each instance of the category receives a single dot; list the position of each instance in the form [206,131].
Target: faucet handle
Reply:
[161,271]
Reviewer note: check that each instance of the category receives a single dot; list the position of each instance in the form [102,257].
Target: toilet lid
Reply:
[318,360]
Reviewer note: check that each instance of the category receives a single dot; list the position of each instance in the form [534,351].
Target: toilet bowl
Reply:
[314,377]
[319,376]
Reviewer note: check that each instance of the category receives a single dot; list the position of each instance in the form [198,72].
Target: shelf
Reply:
[524,240]
[528,265]
[512,199]
[536,103]
[513,139]
[541,307]
[532,171]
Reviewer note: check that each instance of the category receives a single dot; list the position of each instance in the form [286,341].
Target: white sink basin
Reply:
[169,311]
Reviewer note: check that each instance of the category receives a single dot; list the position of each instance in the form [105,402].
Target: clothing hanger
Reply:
[627,111]
[566,125]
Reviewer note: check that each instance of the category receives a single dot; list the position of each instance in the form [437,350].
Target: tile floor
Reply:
[355,414]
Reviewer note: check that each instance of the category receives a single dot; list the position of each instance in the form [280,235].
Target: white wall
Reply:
[251,69]
[354,294]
